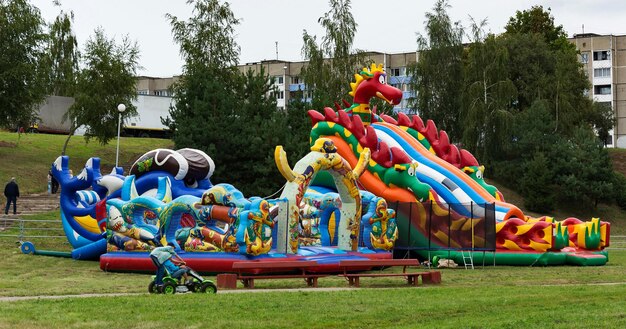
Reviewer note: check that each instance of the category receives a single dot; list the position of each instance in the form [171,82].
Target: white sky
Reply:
[386,26]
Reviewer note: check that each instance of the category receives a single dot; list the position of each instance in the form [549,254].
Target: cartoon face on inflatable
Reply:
[372,82]
[116,221]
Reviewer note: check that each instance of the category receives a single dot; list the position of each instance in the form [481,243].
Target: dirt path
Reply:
[238,291]
[245,291]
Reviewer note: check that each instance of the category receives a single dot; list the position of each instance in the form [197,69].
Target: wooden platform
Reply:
[248,272]
[350,266]
[352,270]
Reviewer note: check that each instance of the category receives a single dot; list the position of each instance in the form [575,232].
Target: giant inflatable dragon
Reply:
[416,163]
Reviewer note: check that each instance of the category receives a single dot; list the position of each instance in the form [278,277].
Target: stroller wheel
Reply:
[208,287]
[153,288]
[169,288]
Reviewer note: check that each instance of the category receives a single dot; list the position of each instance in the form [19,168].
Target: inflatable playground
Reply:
[371,185]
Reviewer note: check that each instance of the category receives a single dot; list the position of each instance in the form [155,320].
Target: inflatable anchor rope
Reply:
[278,191]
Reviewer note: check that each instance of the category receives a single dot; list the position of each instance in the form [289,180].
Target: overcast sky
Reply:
[386,26]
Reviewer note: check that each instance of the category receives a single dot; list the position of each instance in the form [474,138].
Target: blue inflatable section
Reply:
[440,188]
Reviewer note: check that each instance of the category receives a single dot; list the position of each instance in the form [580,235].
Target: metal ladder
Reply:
[468,260]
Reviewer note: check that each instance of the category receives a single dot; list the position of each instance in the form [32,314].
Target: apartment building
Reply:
[288,82]
[151,86]
[604,60]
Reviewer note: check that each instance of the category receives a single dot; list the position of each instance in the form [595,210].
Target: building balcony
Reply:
[297,87]
[394,80]
[601,63]
[602,81]
[603,97]
[408,94]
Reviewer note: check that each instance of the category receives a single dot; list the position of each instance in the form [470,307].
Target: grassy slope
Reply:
[29,157]
[609,213]
[29,160]
[619,160]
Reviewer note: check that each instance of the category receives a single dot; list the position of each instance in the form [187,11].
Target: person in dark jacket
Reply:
[11,192]
[54,183]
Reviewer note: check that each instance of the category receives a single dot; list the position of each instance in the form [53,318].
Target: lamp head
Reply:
[121,108]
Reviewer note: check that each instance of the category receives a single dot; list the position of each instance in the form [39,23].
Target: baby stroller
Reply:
[174,284]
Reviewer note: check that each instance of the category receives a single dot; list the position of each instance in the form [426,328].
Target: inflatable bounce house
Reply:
[168,199]
[369,185]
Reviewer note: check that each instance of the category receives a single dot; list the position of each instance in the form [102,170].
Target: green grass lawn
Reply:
[29,157]
[489,297]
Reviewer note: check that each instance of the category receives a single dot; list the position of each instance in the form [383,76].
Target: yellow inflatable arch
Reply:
[322,157]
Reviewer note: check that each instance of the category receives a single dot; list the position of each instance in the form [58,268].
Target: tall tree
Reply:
[489,93]
[545,65]
[328,81]
[208,37]
[537,20]
[531,65]
[108,78]
[206,92]
[437,76]
[231,116]
[298,126]
[63,55]
[259,126]
[22,75]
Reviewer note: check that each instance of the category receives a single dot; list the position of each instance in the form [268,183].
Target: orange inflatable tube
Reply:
[514,210]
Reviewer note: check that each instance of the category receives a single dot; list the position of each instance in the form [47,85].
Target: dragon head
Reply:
[403,176]
[372,82]
[476,173]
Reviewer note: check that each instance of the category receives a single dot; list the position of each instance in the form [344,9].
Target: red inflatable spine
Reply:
[366,135]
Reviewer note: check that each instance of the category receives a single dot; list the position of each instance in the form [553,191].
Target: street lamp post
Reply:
[285,86]
[120,108]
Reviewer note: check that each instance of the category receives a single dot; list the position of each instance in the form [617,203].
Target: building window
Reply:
[161,93]
[295,80]
[142,92]
[584,58]
[604,72]
[280,94]
[395,72]
[609,140]
[603,55]
[602,90]
[280,80]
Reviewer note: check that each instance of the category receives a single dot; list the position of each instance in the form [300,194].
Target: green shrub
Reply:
[536,184]
[619,189]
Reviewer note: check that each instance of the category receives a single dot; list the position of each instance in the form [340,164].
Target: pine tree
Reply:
[231,116]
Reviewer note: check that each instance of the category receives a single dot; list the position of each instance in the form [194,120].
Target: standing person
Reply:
[54,183]
[49,182]
[11,192]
